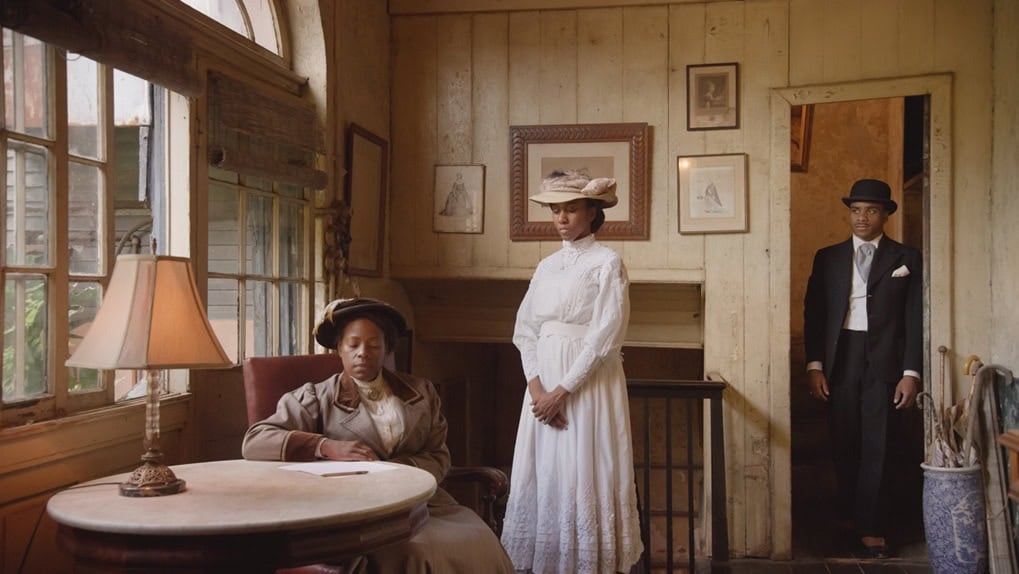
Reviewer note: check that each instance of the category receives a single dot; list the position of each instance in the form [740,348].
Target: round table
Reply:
[241,514]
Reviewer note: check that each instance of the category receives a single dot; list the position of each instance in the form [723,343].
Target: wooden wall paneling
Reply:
[32,546]
[806,40]
[600,80]
[525,62]
[724,42]
[880,38]
[766,65]
[1004,182]
[725,347]
[491,133]
[665,315]
[916,37]
[686,46]
[429,6]
[842,27]
[600,71]
[781,315]
[940,276]
[454,122]
[646,99]
[220,413]
[557,101]
[363,58]
[413,139]
[964,37]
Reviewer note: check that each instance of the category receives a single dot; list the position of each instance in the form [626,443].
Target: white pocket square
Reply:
[901,271]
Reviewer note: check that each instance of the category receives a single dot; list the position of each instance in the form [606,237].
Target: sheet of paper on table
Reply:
[339,468]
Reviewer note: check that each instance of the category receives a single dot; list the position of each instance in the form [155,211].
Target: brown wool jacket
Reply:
[332,408]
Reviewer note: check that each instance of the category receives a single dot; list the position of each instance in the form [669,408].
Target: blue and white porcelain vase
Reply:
[954,519]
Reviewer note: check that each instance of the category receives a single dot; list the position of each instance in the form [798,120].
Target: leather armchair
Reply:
[266,379]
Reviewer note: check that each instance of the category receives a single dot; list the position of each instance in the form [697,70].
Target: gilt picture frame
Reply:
[712,96]
[617,150]
[712,193]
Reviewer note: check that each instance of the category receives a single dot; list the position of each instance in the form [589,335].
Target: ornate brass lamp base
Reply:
[153,478]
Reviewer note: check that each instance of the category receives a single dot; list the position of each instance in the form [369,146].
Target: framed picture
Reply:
[459,199]
[365,193]
[799,141]
[712,96]
[619,151]
[713,193]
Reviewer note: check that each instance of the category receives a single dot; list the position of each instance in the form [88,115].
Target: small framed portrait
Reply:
[713,193]
[459,199]
[712,96]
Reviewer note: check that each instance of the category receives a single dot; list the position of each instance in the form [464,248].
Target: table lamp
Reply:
[151,318]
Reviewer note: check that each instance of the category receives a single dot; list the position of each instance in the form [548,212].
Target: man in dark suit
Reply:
[863,331]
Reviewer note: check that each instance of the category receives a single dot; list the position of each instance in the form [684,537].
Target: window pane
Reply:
[83,136]
[84,298]
[223,314]
[290,190]
[257,318]
[224,228]
[132,104]
[25,336]
[256,182]
[259,235]
[220,174]
[292,315]
[84,220]
[26,108]
[225,12]
[28,201]
[263,24]
[291,240]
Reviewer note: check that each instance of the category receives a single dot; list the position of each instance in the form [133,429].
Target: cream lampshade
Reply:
[151,318]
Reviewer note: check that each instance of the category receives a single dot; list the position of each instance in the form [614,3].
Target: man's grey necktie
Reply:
[864,257]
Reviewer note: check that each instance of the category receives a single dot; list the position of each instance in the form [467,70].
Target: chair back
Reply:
[266,379]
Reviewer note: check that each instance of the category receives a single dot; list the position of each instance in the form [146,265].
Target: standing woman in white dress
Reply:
[572,505]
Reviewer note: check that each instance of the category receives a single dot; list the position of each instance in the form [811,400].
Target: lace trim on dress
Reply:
[572,250]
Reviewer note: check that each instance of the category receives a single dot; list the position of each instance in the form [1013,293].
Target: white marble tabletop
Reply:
[242,497]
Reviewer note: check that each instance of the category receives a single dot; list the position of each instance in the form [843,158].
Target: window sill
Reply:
[38,444]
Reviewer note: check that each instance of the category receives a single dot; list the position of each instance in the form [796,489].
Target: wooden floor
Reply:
[826,566]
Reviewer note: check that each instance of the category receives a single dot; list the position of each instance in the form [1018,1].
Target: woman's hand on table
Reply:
[346,450]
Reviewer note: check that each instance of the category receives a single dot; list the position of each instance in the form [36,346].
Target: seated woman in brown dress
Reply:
[368,412]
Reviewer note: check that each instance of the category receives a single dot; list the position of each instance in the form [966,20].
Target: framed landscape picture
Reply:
[618,151]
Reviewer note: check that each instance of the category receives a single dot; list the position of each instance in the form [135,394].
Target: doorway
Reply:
[832,145]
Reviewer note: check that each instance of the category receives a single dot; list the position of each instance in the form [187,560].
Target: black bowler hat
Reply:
[337,314]
[873,191]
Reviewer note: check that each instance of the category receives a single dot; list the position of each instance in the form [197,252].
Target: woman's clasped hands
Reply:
[548,406]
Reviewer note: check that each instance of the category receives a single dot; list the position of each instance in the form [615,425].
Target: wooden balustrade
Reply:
[652,406]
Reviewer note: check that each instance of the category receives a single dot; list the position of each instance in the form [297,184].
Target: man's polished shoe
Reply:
[876,552]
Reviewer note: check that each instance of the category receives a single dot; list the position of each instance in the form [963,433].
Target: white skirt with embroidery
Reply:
[572,505]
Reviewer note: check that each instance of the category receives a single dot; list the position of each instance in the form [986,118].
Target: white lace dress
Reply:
[572,506]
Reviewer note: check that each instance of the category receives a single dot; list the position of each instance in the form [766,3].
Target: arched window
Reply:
[254,19]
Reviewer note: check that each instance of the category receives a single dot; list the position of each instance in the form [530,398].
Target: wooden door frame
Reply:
[937,253]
